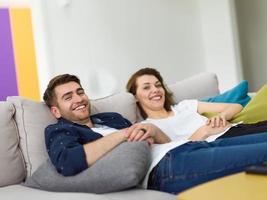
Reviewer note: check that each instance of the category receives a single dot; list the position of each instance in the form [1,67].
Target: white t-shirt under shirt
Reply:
[103,130]
[179,127]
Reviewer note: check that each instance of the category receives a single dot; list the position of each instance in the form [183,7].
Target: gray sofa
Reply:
[22,148]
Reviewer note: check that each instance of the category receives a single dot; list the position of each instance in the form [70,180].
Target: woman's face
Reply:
[149,93]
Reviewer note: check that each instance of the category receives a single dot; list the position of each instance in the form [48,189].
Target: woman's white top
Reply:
[179,127]
[183,123]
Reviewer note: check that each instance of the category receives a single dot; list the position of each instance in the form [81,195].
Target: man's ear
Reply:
[55,111]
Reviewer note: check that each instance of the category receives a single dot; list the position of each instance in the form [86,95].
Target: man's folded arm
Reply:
[98,148]
[70,157]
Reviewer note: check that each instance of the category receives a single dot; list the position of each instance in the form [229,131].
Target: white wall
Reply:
[104,42]
[220,41]
[6,3]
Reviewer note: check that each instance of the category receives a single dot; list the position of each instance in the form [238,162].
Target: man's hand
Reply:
[146,131]
[139,132]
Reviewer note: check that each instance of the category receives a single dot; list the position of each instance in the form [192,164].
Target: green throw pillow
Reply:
[255,110]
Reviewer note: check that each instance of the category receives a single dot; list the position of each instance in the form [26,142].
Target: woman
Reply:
[181,163]
[183,120]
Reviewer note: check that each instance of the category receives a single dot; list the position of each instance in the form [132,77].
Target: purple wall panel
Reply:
[8,81]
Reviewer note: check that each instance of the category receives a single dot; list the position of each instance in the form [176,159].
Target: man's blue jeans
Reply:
[197,162]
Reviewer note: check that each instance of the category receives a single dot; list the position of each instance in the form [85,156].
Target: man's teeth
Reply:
[80,107]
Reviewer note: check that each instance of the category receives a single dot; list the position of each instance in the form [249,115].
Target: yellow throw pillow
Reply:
[255,110]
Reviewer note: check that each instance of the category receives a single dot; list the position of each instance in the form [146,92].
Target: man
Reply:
[78,140]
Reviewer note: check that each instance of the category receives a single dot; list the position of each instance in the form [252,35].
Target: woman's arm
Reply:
[230,109]
[205,131]
[226,111]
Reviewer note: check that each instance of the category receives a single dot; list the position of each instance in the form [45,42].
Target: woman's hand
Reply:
[217,121]
[150,141]
[216,129]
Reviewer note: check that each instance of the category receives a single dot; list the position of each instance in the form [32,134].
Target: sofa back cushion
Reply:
[32,118]
[11,160]
[196,87]
[123,103]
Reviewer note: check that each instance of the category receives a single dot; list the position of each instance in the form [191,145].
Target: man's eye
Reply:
[80,92]
[68,98]
[146,87]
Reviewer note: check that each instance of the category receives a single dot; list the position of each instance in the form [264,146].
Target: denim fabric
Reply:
[197,162]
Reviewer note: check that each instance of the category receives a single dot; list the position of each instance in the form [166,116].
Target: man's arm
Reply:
[97,149]
[65,150]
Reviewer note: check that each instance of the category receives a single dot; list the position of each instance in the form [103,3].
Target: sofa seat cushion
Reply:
[14,192]
[12,169]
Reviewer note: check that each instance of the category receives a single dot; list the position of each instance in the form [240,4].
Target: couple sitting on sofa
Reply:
[184,146]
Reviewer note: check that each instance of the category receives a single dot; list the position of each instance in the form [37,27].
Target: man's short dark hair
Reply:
[49,95]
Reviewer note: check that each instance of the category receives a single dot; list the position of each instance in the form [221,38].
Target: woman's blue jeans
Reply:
[197,162]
